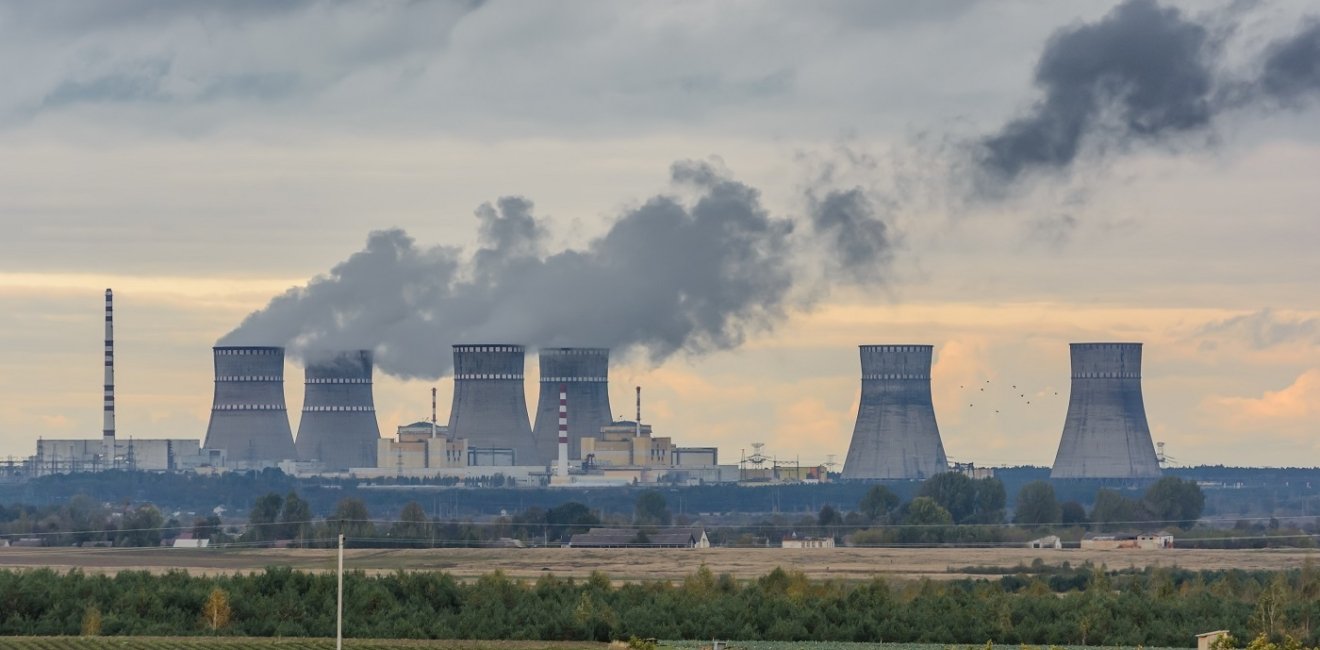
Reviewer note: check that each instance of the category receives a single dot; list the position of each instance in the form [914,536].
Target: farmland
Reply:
[646,564]
[241,643]
[224,643]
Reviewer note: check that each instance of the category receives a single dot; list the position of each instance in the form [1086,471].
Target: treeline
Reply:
[1087,606]
[948,508]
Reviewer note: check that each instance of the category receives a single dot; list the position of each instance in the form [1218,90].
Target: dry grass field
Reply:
[644,564]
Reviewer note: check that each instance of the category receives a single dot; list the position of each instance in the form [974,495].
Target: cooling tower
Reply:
[490,407]
[248,419]
[1106,434]
[896,436]
[586,373]
[338,426]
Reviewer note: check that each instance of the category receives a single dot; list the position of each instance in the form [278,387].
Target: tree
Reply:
[215,611]
[569,518]
[828,519]
[352,519]
[1037,505]
[1175,501]
[651,509]
[878,504]
[953,492]
[926,511]
[413,525]
[1071,513]
[991,499]
[295,518]
[208,528]
[1112,510]
[141,527]
[265,511]
[91,621]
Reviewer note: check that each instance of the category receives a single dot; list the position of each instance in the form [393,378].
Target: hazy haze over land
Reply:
[1043,172]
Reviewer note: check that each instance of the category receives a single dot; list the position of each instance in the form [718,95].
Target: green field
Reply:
[249,643]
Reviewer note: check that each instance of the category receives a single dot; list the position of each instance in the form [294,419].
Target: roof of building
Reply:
[676,537]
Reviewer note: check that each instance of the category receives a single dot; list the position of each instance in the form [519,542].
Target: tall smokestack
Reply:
[586,373]
[563,430]
[895,436]
[490,406]
[1106,434]
[433,421]
[338,426]
[108,419]
[248,416]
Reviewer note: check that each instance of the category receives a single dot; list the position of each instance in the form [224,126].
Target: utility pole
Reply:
[339,613]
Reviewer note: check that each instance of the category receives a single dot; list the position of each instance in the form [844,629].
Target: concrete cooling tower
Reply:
[895,436]
[1106,434]
[490,406]
[248,418]
[338,426]
[585,372]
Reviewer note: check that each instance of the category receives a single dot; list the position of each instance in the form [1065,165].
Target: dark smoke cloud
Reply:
[668,276]
[1292,66]
[1143,73]
[861,243]
[1145,66]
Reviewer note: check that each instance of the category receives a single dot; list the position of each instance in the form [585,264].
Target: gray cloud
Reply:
[860,242]
[1264,328]
[1143,67]
[1292,65]
[667,276]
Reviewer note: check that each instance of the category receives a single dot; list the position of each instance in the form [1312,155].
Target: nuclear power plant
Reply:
[895,436]
[490,406]
[585,374]
[1106,434]
[338,426]
[576,441]
[248,417]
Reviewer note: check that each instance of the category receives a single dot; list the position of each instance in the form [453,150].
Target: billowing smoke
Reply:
[1292,67]
[1143,73]
[666,276]
[849,225]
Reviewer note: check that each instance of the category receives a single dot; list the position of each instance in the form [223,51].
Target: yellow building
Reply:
[415,448]
[624,444]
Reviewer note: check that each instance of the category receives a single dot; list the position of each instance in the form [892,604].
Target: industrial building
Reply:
[249,420]
[1105,434]
[895,436]
[584,373]
[490,406]
[62,456]
[338,426]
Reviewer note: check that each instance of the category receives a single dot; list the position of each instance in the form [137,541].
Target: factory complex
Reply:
[573,438]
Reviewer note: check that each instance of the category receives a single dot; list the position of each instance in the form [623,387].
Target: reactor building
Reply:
[248,417]
[584,372]
[490,406]
[1106,434]
[895,436]
[338,426]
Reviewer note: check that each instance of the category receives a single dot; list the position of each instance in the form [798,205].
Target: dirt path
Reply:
[643,564]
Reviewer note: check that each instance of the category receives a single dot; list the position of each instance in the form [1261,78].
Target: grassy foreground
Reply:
[253,643]
[260,643]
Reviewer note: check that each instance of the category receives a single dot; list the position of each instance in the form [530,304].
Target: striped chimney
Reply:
[108,424]
[563,430]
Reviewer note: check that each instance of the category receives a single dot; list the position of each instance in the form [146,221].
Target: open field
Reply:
[222,643]
[226,643]
[645,564]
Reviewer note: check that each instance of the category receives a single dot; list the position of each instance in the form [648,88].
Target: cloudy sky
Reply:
[732,194]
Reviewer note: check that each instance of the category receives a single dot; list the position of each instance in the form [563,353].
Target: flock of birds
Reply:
[1021,397]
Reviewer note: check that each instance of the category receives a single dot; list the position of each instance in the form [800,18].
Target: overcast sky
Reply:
[997,179]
